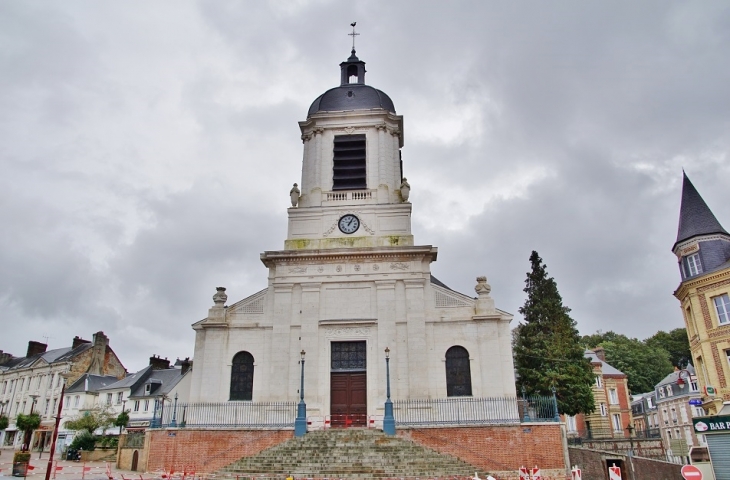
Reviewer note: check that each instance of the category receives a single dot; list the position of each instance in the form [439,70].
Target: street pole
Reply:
[29,434]
[174,413]
[55,433]
[388,418]
[300,424]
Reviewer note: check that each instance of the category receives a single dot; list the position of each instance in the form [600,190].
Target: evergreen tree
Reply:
[548,350]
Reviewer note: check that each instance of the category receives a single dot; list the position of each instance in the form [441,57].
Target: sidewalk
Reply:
[68,470]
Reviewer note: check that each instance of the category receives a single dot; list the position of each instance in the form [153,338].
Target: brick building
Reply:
[612,414]
[703,255]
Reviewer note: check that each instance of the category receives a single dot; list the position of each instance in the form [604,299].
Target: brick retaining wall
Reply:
[594,466]
[207,451]
[498,448]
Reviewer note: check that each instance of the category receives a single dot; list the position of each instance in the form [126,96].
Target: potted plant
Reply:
[20,464]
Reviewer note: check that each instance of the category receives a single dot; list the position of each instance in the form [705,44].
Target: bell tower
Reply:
[353,193]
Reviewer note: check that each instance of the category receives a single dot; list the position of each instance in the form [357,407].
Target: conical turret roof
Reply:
[695,217]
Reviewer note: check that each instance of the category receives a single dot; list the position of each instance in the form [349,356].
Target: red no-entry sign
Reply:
[690,472]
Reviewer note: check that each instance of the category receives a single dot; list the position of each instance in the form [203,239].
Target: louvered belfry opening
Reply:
[349,163]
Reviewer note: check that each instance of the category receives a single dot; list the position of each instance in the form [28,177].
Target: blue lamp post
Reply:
[556,415]
[388,419]
[174,413]
[300,424]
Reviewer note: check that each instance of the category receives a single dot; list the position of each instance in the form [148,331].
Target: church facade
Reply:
[350,282]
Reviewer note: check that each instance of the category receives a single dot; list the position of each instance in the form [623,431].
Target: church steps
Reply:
[349,453]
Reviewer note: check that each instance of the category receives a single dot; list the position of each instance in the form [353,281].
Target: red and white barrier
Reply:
[576,473]
[614,472]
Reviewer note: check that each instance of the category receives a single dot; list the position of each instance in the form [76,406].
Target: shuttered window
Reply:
[349,163]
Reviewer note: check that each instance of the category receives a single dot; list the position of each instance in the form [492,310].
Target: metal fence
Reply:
[597,434]
[472,411]
[537,408]
[228,414]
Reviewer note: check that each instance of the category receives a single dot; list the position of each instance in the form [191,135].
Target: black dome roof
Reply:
[352,94]
[351,97]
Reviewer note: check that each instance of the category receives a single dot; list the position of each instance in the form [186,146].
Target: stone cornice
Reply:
[373,254]
[706,280]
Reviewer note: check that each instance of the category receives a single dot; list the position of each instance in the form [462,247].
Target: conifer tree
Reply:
[548,349]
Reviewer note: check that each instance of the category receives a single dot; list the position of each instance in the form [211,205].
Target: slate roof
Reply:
[695,217]
[351,96]
[51,356]
[91,383]
[130,381]
[166,379]
[674,376]
[605,367]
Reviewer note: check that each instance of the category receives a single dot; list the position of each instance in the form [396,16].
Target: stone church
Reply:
[350,282]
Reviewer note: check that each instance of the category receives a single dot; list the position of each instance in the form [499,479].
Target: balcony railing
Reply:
[349,195]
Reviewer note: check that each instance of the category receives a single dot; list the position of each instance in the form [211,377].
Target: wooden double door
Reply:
[349,399]
[348,385]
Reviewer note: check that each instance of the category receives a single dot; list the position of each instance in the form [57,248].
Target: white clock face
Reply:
[349,224]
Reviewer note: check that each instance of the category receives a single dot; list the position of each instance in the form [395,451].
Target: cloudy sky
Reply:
[147,150]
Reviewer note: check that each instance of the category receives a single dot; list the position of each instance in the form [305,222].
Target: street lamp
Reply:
[29,433]
[680,382]
[174,413]
[630,428]
[300,424]
[388,418]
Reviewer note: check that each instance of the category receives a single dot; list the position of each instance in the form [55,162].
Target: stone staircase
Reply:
[349,454]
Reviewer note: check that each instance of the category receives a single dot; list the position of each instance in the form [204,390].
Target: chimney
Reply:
[600,353]
[6,357]
[185,365]
[78,341]
[35,348]
[158,363]
[98,354]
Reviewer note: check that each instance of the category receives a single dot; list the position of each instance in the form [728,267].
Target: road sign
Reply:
[695,401]
[614,473]
[690,472]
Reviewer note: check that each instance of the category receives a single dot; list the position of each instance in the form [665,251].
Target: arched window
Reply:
[458,372]
[242,376]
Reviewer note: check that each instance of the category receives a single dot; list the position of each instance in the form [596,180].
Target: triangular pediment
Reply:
[253,305]
[445,298]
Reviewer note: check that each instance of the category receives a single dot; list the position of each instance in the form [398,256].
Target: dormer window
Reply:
[692,265]
[147,388]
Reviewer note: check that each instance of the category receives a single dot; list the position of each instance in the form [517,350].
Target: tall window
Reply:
[612,396]
[599,382]
[722,307]
[693,265]
[242,377]
[604,410]
[616,420]
[349,161]
[458,372]
[571,423]
[120,397]
[136,405]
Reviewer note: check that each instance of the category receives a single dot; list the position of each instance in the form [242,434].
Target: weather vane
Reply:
[353,34]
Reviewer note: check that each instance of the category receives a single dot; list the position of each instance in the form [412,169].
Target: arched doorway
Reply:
[135,460]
